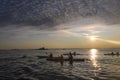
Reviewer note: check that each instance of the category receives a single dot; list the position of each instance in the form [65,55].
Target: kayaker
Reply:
[70,58]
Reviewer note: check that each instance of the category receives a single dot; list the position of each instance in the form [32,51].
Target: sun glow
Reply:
[93,38]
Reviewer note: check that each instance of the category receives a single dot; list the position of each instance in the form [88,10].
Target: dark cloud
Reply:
[46,14]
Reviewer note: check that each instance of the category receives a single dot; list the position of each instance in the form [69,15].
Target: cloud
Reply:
[47,14]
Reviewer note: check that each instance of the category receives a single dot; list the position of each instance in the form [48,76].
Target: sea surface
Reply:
[25,65]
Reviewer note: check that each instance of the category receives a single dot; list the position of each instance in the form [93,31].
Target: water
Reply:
[100,67]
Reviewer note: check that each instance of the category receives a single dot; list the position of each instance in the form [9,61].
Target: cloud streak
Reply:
[110,41]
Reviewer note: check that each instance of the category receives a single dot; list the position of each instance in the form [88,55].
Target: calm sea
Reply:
[13,66]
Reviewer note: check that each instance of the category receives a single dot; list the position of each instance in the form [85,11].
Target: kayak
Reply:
[72,54]
[59,59]
[41,57]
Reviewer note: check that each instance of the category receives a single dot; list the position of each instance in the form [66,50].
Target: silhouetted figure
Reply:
[51,55]
[61,60]
[74,53]
[117,54]
[112,53]
[70,58]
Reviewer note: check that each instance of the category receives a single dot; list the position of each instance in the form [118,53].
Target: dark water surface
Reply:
[100,67]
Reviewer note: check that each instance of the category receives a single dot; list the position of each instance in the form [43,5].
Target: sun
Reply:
[92,38]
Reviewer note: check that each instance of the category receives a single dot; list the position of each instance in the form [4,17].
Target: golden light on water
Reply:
[93,56]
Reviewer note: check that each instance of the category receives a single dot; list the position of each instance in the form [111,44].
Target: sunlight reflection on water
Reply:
[93,56]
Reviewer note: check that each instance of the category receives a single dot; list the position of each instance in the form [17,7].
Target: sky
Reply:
[30,24]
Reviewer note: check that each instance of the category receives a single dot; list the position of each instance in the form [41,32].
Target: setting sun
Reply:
[92,38]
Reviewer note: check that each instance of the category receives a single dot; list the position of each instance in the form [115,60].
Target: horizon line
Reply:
[57,48]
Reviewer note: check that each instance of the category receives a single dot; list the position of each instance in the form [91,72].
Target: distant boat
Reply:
[113,54]
[43,48]
[15,49]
